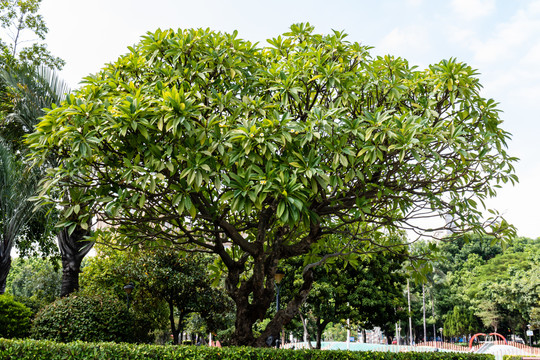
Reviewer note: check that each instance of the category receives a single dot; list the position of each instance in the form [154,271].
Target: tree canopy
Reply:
[163,279]
[259,154]
[368,294]
[18,17]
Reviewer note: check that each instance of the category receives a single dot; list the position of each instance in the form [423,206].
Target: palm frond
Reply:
[34,89]
[17,184]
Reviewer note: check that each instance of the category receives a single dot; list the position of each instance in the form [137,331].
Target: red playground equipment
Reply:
[490,334]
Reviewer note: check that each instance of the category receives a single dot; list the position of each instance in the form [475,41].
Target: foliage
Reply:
[182,281]
[503,290]
[163,279]
[41,350]
[368,293]
[27,229]
[88,318]
[335,332]
[32,89]
[460,322]
[16,18]
[535,317]
[14,318]
[109,271]
[34,281]
[455,253]
[499,285]
[208,139]
[17,184]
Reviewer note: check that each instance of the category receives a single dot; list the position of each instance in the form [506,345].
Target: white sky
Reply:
[500,38]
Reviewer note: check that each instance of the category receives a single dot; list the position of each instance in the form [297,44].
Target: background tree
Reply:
[108,272]
[28,85]
[17,18]
[35,281]
[169,285]
[21,23]
[26,90]
[209,140]
[461,322]
[498,284]
[182,281]
[368,293]
[503,290]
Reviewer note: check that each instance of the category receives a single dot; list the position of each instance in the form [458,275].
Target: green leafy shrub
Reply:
[14,318]
[88,318]
[32,349]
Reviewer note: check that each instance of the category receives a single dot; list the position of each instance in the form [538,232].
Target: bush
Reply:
[14,318]
[31,349]
[88,318]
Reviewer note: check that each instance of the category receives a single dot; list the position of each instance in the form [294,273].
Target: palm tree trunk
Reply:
[5,266]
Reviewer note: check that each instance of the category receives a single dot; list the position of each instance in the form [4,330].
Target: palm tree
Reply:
[35,89]
[17,185]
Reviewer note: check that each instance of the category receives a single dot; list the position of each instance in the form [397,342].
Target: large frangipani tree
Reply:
[201,140]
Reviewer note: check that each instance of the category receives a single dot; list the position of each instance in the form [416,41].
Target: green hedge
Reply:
[14,318]
[49,350]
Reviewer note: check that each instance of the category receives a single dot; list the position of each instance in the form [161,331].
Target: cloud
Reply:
[406,42]
[532,56]
[473,9]
[510,39]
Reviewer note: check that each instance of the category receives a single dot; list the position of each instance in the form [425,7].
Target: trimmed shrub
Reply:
[14,318]
[88,318]
[31,349]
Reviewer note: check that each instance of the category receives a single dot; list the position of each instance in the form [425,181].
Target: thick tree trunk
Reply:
[70,278]
[5,266]
[73,249]
[284,316]
[246,316]
[253,299]
[254,296]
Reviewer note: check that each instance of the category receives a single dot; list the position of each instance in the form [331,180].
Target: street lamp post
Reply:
[128,289]
[440,330]
[277,280]
[529,334]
